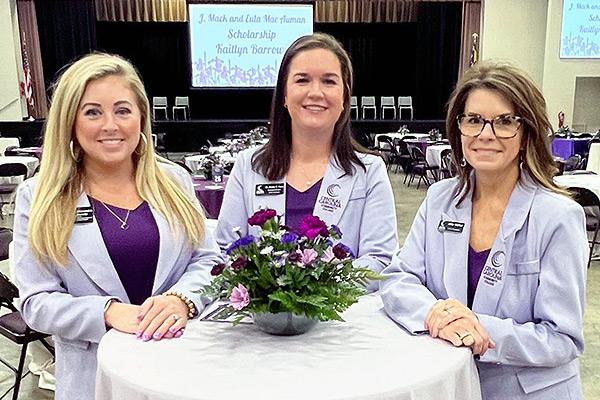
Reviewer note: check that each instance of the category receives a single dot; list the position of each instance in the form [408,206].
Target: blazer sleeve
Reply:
[46,304]
[406,298]
[202,259]
[234,212]
[555,336]
[378,237]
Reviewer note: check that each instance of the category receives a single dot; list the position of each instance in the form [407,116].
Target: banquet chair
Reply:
[354,107]
[421,167]
[403,156]
[387,103]
[10,174]
[181,104]
[448,168]
[14,328]
[405,103]
[159,104]
[368,103]
[588,199]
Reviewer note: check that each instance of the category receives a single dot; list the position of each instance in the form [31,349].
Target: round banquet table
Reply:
[366,357]
[210,195]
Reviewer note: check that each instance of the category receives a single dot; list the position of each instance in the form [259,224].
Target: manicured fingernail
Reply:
[178,333]
[146,337]
[138,334]
[172,329]
[157,335]
[168,335]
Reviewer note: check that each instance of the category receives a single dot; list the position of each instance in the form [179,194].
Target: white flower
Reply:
[267,250]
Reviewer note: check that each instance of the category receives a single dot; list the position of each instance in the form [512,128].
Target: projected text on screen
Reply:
[580,34]
[241,45]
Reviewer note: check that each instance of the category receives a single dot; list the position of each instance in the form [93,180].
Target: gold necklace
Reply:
[309,180]
[124,224]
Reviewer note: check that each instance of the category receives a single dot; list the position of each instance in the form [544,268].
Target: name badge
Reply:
[84,215]
[269,189]
[451,226]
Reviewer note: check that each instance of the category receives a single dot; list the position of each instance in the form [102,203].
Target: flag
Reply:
[474,57]
[27,84]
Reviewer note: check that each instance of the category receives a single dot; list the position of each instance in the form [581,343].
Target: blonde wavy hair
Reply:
[528,102]
[61,178]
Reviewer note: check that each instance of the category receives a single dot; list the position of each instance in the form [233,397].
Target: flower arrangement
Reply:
[206,165]
[301,272]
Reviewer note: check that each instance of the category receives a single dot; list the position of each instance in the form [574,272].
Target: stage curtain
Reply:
[30,40]
[365,11]
[471,21]
[141,10]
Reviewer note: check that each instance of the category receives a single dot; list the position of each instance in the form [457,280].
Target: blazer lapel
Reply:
[456,247]
[334,194]
[170,246]
[493,274]
[89,250]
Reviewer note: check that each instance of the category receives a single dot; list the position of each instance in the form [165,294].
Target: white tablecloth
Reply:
[30,162]
[587,181]
[193,162]
[433,154]
[593,162]
[398,135]
[367,357]
[7,142]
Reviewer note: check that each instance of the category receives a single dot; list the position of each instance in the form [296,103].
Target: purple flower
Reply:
[289,238]
[243,241]
[341,251]
[239,297]
[308,256]
[217,269]
[294,257]
[240,263]
[261,216]
[337,231]
[311,227]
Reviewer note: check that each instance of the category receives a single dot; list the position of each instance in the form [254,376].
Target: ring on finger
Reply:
[176,317]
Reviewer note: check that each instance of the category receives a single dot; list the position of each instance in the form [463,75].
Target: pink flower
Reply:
[239,297]
[308,256]
[328,256]
[311,227]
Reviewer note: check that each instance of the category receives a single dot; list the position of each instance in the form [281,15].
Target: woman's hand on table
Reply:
[122,317]
[162,317]
[463,332]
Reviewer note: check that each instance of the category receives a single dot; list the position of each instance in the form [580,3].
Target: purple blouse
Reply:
[300,204]
[476,263]
[133,251]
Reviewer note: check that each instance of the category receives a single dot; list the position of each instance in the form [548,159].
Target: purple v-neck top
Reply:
[300,204]
[133,251]
[476,262]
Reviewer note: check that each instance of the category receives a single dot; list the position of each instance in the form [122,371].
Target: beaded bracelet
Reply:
[191,307]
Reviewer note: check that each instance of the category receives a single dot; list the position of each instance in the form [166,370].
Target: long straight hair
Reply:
[61,177]
[518,89]
[273,159]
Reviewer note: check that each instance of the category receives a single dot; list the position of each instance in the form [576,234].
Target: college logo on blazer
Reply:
[493,273]
[333,190]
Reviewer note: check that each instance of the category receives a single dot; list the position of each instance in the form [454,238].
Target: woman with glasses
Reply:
[496,257]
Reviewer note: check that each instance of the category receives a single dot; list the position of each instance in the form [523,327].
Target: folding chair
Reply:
[387,103]
[368,103]
[405,103]
[16,330]
[182,104]
[354,107]
[587,198]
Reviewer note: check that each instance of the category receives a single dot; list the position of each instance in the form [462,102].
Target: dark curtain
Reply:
[67,30]
[437,58]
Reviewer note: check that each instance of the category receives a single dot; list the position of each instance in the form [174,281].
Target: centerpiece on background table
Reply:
[288,280]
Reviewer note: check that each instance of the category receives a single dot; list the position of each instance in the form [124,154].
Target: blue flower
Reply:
[243,241]
[289,238]
[337,231]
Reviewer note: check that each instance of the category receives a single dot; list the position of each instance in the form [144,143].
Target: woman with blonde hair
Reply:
[106,235]
[496,258]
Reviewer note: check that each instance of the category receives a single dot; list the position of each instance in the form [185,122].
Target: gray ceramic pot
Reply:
[283,323]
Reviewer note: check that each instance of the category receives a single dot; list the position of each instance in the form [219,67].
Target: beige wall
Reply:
[515,30]
[10,67]
[527,32]
[586,111]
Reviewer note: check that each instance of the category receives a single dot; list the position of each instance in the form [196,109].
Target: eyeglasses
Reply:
[503,126]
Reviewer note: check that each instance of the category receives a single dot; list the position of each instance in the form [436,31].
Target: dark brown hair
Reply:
[273,160]
[518,89]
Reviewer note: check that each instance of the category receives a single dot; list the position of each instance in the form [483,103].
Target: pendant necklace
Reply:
[124,224]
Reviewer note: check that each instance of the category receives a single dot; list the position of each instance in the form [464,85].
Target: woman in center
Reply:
[311,165]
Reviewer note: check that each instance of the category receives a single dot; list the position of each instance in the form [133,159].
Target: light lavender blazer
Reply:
[530,297]
[362,205]
[68,302]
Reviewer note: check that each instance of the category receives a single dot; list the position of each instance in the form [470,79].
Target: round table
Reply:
[366,357]
[210,195]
